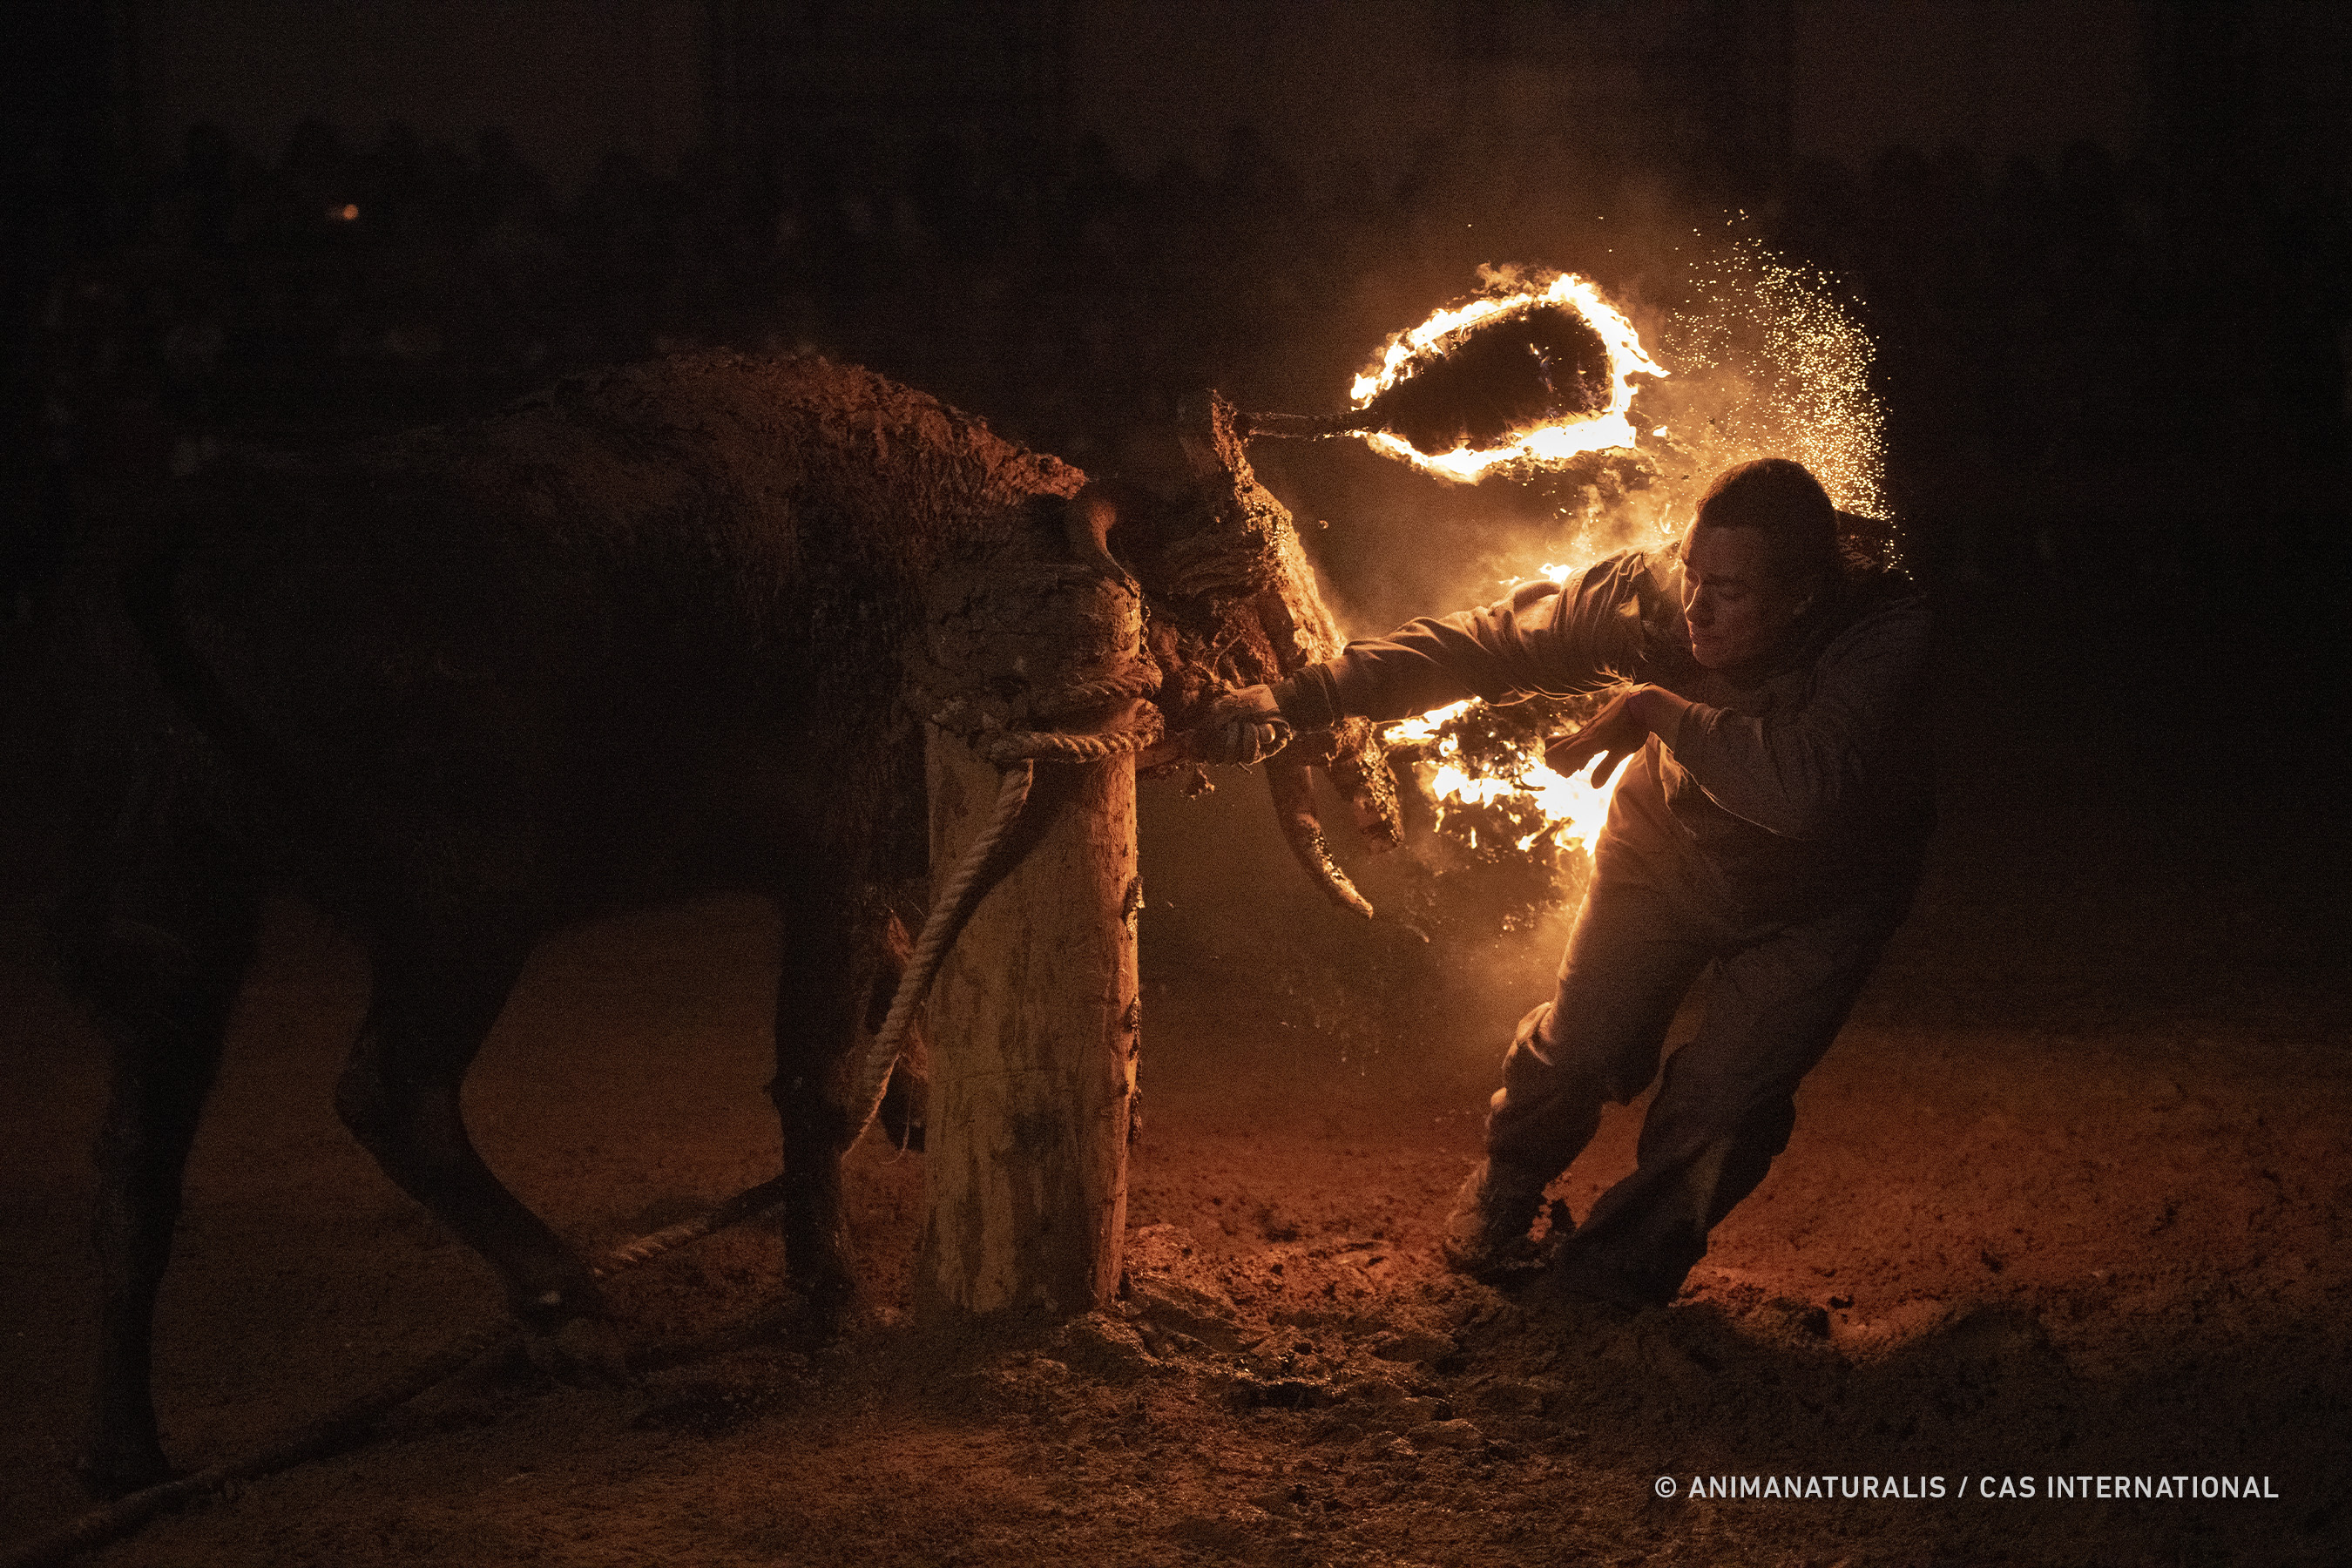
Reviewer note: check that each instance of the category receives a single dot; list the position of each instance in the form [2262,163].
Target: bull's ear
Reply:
[1200,453]
[1087,519]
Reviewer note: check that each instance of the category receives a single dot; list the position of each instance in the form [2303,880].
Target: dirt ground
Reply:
[2066,1202]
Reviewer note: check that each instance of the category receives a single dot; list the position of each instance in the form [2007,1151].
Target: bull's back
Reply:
[637,636]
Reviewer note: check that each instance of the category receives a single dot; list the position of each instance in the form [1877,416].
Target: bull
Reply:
[643,637]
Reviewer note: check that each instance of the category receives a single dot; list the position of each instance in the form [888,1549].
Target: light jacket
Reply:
[1785,790]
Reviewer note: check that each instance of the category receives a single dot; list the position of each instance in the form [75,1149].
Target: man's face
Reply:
[1735,603]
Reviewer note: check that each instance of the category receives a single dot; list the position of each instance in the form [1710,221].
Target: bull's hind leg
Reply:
[431,1009]
[162,988]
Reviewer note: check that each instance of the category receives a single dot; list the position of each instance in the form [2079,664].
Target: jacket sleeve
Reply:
[1804,772]
[1544,636]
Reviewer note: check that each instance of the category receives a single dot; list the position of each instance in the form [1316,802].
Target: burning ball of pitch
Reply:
[1533,366]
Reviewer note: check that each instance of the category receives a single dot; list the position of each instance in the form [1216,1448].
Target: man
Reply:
[1771,687]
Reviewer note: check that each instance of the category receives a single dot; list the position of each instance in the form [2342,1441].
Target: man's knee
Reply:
[1767,1128]
[1528,1060]
[1612,1058]
[1539,1069]
[1544,1113]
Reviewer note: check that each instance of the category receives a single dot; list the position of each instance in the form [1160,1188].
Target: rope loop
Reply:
[1006,747]
[1141,679]
[1017,751]
[950,908]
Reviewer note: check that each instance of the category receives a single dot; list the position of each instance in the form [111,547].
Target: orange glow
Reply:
[1770,360]
[1573,808]
[1548,445]
[349,211]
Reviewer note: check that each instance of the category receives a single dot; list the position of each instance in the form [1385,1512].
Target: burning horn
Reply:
[1537,368]
[1236,603]
[1543,364]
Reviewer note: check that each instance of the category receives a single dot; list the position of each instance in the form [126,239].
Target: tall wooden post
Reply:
[1033,1048]
[1035,1016]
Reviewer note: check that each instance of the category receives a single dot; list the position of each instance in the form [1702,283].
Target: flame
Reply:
[1544,446]
[1772,360]
[1573,809]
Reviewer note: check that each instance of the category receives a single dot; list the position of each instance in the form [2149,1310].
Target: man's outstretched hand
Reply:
[1614,734]
[1243,726]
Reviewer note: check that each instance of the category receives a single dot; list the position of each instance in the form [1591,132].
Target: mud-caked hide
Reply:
[1234,603]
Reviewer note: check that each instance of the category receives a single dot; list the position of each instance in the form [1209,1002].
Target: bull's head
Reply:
[1233,602]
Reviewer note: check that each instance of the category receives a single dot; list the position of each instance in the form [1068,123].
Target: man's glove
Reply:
[1243,726]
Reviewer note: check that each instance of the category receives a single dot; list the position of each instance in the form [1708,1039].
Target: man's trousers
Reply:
[1779,995]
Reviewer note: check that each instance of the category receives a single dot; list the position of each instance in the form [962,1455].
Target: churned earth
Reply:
[2067,1200]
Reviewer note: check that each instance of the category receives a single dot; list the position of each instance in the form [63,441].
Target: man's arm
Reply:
[1543,638]
[1613,618]
[1424,664]
[1799,773]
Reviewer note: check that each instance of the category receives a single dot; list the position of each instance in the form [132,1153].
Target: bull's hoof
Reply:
[821,1316]
[584,1352]
[108,1473]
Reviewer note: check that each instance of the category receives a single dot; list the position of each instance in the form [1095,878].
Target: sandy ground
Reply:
[2066,1201]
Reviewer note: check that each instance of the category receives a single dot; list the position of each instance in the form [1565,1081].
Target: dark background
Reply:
[2101,245]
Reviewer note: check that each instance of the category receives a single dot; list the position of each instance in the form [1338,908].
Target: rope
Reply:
[749,1204]
[1007,748]
[949,910]
[1017,751]
[1141,679]
[339,1426]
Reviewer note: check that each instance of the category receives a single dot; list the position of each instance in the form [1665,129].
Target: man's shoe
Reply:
[1487,1235]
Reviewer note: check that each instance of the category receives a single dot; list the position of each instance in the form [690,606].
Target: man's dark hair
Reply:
[1788,504]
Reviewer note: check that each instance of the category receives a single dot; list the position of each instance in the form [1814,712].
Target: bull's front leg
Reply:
[433,1005]
[821,994]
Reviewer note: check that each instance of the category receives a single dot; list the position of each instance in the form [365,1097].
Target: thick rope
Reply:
[953,904]
[341,1426]
[1009,748]
[1141,678]
[330,1431]
[1017,751]
[749,1204]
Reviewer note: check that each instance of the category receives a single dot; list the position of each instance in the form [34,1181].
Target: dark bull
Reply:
[642,637]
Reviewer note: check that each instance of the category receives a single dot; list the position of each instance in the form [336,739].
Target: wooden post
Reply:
[1033,1040]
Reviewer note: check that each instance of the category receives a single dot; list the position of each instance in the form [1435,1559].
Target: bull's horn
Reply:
[1293,785]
